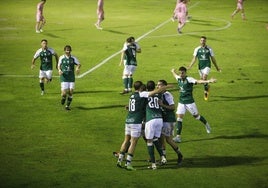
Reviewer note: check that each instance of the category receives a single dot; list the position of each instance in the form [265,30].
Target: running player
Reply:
[66,67]
[45,73]
[205,55]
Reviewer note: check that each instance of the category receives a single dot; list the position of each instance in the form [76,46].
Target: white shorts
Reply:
[129,69]
[67,85]
[168,127]
[45,74]
[134,130]
[153,128]
[204,71]
[181,109]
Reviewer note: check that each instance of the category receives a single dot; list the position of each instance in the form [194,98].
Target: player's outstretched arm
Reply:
[212,80]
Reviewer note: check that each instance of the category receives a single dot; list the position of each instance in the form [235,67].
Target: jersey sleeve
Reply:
[76,60]
[37,53]
[137,45]
[60,60]
[191,80]
[211,51]
[144,94]
[195,51]
[51,50]
[177,77]
[124,47]
[169,98]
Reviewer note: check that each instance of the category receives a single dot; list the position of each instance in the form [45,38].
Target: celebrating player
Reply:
[186,100]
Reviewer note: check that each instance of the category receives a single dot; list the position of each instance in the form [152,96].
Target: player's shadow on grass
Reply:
[51,35]
[207,162]
[214,161]
[115,32]
[232,98]
[83,92]
[246,136]
[100,107]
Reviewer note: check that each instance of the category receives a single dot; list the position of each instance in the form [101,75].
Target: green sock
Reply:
[151,152]
[206,87]
[203,120]
[69,100]
[129,158]
[125,82]
[130,82]
[158,147]
[179,127]
[42,86]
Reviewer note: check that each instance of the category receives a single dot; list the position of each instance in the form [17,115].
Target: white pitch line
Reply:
[115,54]
[111,56]
[228,24]
[138,39]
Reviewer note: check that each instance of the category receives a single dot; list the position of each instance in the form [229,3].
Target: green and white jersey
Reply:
[46,56]
[130,54]
[168,115]
[67,66]
[203,54]
[153,110]
[136,109]
[186,89]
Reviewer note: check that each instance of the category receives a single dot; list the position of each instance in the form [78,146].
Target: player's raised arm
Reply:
[174,73]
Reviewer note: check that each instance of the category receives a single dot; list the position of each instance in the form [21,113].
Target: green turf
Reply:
[42,145]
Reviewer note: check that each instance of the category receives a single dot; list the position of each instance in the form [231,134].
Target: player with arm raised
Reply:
[186,100]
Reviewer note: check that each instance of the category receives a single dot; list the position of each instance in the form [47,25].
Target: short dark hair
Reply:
[44,40]
[143,87]
[164,82]
[137,85]
[204,37]
[150,85]
[183,69]
[67,46]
